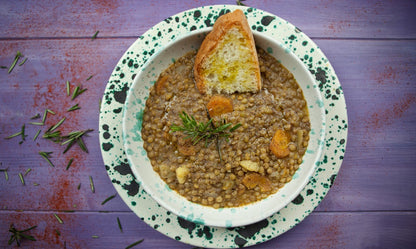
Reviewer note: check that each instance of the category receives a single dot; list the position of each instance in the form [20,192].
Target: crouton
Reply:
[253,180]
[280,144]
[218,105]
[181,174]
[250,165]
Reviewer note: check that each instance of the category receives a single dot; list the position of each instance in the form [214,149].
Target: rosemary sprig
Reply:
[18,235]
[69,163]
[20,133]
[73,108]
[68,88]
[46,156]
[36,116]
[197,131]
[16,58]
[27,171]
[36,135]
[75,137]
[95,35]
[22,179]
[106,200]
[58,218]
[6,175]
[90,77]
[57,124]
[134,244]
[239,2]
[78,91]
[92,185]
[119,225]
[23,62]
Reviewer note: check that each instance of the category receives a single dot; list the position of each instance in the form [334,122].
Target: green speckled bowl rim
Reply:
[116,163]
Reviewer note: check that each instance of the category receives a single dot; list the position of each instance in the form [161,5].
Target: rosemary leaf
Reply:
[44,116]
[27,171]
[68,88]
[106,200]
[36,184]
[36,123]
[36,135]
[23,62]
[239,2]
[50,111]
[58,232]
[90,77]
[95,35]
[57,124]
[92,184]
[119,224]
[78,91]
[58,218]
[6,175]
[36,116]
[46,156]
[79,186]
[14,135]
[134,244]
[16,58]
[69,163]
[73,108]
[95,236]
[22,179]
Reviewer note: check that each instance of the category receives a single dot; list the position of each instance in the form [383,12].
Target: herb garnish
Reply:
[58,218]
[6,175]
[95,35]
[106,200]
[69,163]
[119,224]
[36,135]
[46,156]
[22,179]
[68,88]
[90,77]
[17,235]
[239,2]
[197,131]
[78,91]
[20,133]
[92,185]
[134,244]
[16,58]
[73,108]
[75,137]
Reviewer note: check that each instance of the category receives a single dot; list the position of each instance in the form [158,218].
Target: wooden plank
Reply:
[326,18]
[319,230]
[380,148]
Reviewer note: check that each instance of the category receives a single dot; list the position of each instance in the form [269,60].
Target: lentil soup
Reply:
[246,168]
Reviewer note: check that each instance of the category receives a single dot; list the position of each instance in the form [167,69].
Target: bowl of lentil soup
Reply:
[240,181]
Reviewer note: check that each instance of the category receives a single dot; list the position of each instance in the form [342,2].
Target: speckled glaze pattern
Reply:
[122,177]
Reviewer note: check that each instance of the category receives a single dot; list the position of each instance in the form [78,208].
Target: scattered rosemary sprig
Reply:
[73,108]
[68,88]
[239,2]
[16,58]
[95,35]
[36,116]
[27,171]
[90,77]
[20,133]
[57,124]
[119,225]
[18,235]
[106,200]
[23,62]
[22,179]
[134,244]
[46,156]
[69,163]
[58,218]
[6,175]
[75,137]
[92,185]
[36,135]
[78,91]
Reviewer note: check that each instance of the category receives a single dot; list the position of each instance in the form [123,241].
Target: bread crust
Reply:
[223,24]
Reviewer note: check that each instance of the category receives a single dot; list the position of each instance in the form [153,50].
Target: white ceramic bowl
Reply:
[172,201]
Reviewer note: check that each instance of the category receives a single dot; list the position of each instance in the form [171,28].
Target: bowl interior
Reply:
[172,201]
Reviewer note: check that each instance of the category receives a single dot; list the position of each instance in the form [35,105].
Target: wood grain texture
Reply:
[324,18]
[370,44]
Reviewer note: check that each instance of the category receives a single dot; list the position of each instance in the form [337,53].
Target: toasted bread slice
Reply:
[227,59]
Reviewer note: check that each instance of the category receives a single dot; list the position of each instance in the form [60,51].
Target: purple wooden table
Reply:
[370,44]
